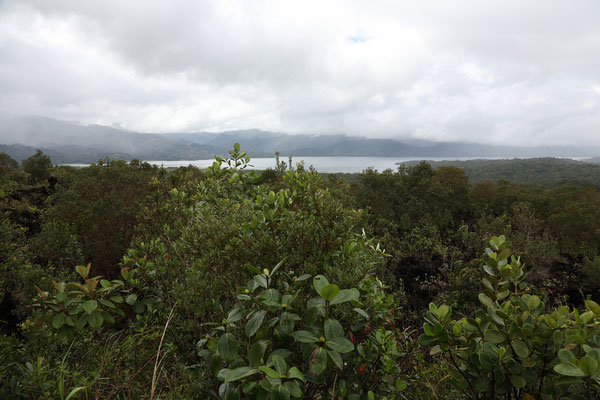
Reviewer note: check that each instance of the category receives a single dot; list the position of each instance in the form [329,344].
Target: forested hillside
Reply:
[128,281]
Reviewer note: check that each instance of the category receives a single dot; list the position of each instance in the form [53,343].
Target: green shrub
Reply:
[510,347]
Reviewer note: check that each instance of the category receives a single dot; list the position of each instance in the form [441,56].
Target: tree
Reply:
[38,166]
[7,164]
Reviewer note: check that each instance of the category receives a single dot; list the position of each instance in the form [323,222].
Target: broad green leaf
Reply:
[565,355]
[593,307]
[239,373]
[235,315]
[280,365]
[257,352]
[58,320]
[569,369]
[131,299]
[521,348]
[336,358]
[493,336]
[294,388]
[260,281]
[228,347]
[89,306]
[588,365]
[294,373]
[319,282]
[333,329]
[443,312]
[330,291]
[362,312]
[305,337]
[340,345]
[533,302]
[254,322]
[81,321]
[494,316]
[270,372]
[318,361]
[95,319]
[280,392]
[286,322]
[486,301]
[517,381]
[346,295]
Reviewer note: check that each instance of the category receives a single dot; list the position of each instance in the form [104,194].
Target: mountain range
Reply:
[71,142]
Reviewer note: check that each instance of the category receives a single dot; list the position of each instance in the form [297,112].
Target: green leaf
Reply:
[95,319]
[240,373]
[565,355]
[521,349]
[588,365]
[131,299]
[280,365]
[235,315]
[443,312]
[486,300]
[294,373]
[74,391]
[270,372]
[319,282]
[493,336]
[362,312]
[280,392]
[117,299]
[517,381]
[228,347]
[340,345]
[294,388]
[336,358]
[257,352]
[569,369]
[286,322]
[89,306]
[303,277]
[260,281]
[279,264]
[318,361]
[592,306]
[333,329]
[58,320]
[80,323]
[330,291]
[346,295]
[305,337]
[533,302]
[254,322]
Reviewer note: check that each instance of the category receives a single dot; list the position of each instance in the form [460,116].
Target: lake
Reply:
[322,164]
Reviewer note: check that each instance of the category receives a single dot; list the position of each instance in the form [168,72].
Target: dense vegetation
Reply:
[124,280]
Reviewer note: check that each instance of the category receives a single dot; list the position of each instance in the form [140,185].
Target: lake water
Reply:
[324,164]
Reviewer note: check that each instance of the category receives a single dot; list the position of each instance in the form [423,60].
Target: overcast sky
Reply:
[511,72]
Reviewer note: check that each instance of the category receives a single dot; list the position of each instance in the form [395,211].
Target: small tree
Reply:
[38,166]
[7,164]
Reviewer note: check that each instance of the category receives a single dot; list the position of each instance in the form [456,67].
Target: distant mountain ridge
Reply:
[69,142]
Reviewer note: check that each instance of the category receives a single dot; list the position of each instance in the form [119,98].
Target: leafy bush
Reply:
[280,340]
[510,347]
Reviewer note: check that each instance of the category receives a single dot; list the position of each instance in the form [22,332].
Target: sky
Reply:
[498,72]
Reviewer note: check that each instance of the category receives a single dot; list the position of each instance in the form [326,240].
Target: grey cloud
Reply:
[497,71]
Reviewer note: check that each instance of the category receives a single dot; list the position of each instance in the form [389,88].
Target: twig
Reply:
[158,352]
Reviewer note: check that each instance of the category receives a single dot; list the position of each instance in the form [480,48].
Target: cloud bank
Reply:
[499,72]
